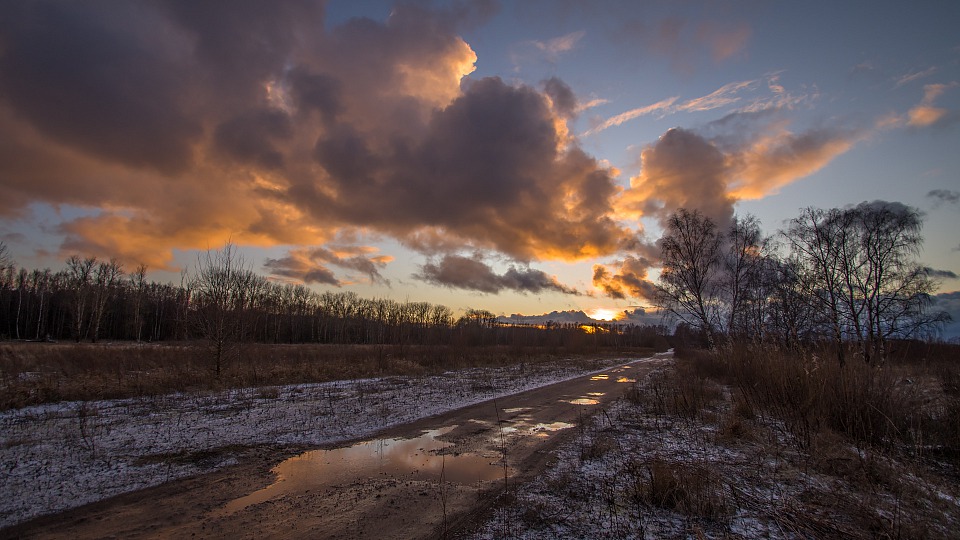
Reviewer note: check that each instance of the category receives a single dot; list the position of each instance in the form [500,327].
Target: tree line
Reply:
[848,277]
[225,303]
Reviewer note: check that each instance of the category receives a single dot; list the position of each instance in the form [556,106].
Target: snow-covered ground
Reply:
[58,456]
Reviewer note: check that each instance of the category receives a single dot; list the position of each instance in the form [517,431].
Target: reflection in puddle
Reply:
[393,457]
[601,377]
[625,379]
[584,401]
[555,426]
[516,410]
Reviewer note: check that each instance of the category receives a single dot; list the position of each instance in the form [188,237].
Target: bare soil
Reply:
[370,505]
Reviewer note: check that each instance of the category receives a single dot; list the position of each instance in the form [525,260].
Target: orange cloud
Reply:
[926,114]
[754,155]
[175,133]
[770,163]
[629,279]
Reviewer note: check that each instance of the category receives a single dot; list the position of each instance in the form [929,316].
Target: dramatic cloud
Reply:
[680,170]
[745,155]
[177,125]
[472,273]
[309,265]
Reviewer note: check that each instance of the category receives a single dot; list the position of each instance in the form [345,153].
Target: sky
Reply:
[517,157]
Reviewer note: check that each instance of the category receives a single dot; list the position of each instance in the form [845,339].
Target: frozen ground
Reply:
[59,456]
[639,472]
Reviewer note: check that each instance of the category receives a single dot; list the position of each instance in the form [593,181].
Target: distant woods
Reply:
[223,302]
[847,277]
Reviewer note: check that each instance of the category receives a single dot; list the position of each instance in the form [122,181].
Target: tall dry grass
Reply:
[906,404]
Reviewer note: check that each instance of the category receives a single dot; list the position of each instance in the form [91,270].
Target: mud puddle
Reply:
[421,458]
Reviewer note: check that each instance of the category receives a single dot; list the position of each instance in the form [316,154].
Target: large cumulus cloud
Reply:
[181,124]
[745,155]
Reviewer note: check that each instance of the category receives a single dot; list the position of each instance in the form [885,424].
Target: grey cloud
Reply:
[290,267]
[502,183]
[252,137]
[471,273]
[316,92]
[310,265]
[83,78]
[563,98]
[943,196]
[240,44]
[940,274]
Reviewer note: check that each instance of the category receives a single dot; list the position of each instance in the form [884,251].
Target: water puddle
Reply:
[517,410]
[418,458]
[584,401]
[555,426]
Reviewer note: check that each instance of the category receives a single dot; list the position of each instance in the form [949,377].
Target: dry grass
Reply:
[681,391]
[895,405]
[761,443]
[689,489]
[34,373]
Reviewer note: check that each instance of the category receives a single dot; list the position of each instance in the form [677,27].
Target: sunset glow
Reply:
[603,314]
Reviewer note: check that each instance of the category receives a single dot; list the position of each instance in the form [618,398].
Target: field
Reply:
[743,442]
[61,454]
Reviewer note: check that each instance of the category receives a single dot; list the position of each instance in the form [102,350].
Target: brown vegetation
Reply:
[33,373]
[757,442]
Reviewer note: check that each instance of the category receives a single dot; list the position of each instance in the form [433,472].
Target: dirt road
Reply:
[420,480]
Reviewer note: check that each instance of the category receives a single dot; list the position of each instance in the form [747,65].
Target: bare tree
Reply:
[40,280]
[690,284]
[745,278]
[138,281]
[815,238]
[79,273]
[105,279]
[857,267]
[219,289]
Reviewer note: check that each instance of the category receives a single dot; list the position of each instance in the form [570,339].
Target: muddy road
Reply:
[421,480]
